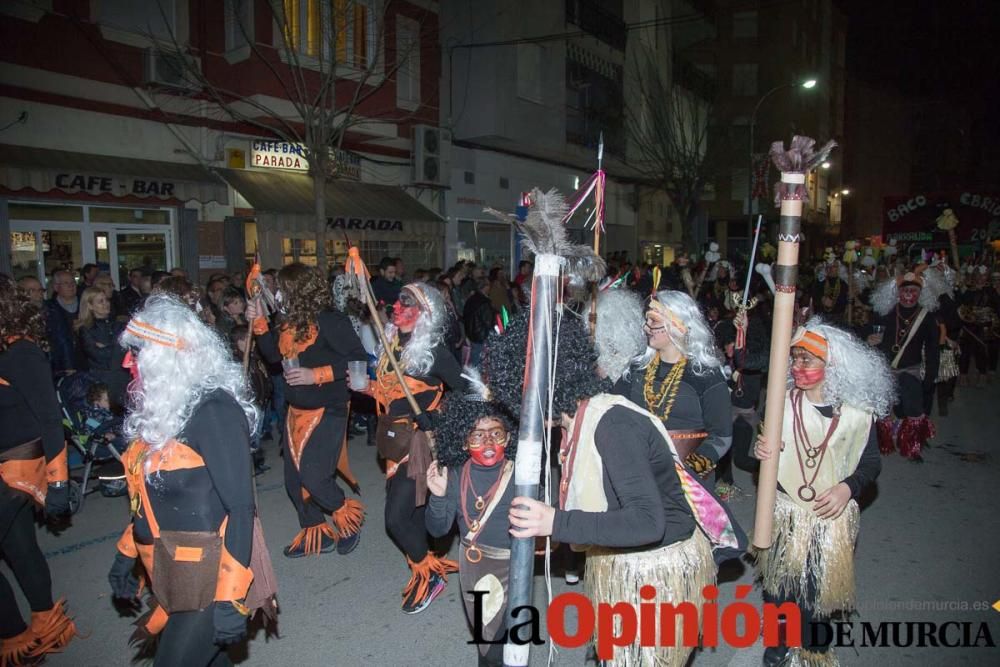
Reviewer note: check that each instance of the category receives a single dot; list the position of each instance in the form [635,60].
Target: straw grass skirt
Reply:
[804,545]
[679,572]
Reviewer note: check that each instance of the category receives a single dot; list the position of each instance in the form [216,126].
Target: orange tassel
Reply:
[15,649]
[355,265]
[420,577]
[52,630]
[349,517]
[312,537]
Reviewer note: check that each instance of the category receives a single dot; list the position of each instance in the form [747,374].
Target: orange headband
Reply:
[811,342]
[140,329]
[664,314]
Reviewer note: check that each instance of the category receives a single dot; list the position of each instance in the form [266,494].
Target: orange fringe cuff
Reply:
[420,577]
[15,650]
[312,537]
[52,630]
[57,470]
[349,517]
[259,326]
[323,374]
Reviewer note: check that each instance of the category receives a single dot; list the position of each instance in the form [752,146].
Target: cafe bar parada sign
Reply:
[267,154]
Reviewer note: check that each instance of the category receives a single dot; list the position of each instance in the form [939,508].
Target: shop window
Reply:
[130,216]
[250,243]
[489,241]
[288,250]
[61,250]
[24,254]
[22,211]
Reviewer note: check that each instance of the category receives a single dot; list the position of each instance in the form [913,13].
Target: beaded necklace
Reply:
[666,395]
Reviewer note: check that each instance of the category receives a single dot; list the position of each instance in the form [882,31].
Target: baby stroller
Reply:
[86,449]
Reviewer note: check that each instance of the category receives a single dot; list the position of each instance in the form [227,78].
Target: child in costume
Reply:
[472,483]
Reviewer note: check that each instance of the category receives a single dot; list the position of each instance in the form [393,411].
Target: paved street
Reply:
[929,535]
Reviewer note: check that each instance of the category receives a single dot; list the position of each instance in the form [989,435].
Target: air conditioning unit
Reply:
[170,69]
[431,156]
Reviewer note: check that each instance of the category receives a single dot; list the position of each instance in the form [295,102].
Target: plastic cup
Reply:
[289,364]
[359,374]
[877,331]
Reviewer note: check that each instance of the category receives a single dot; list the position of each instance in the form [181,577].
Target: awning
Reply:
[293,193]
[44,170]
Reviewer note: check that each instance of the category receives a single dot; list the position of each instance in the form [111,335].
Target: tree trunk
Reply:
[319,199]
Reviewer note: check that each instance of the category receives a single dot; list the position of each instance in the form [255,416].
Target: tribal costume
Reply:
[190,480]
[32,471]
[419,324]
[689,396]
[980,337]
[313,336]
[826,444]
[910,342]
[476,444]
[625,495]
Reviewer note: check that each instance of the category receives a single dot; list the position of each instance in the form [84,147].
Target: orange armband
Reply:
[323,374]
[259,326]
[57,470]
[234,578]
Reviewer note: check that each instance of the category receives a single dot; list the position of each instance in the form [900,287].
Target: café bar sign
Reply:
[267,154]
[96,184]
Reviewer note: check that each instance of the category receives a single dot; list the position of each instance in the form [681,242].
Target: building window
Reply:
[504,183]
[239,24]
[738,184]
[744,79]
[408,60]
[470,178]
[745,25]
[158,20]
[339,31]
[529,72]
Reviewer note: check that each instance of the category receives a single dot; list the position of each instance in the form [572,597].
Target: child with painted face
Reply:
[838,386]
[472,483]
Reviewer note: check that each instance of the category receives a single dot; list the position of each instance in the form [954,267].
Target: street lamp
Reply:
[806,84]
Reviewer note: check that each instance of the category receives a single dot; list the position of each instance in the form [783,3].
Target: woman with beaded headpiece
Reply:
[837,388]
[683,383]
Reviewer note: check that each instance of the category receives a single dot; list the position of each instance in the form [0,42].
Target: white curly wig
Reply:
[856,374]
[619,340]
[428,333]
[176,376]
[885,296]
[697,344]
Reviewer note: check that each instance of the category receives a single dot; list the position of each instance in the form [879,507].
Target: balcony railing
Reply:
[593,18]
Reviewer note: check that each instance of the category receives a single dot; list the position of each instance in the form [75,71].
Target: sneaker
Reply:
[415,605]
[346,545]
[311,541]
[775,655]
[727,492]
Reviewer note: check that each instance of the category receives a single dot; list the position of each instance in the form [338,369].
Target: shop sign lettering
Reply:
[360,224]
[278,155]
[115,186]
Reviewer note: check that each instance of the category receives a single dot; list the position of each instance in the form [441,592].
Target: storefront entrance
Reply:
[47,237]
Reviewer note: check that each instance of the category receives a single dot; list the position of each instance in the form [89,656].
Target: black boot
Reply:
[942,398]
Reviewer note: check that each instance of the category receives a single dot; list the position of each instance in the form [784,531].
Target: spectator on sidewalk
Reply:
[62,311]
[130,297]
[478,316]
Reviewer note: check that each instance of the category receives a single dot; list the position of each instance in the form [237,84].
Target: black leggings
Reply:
[188,641]
[404,521]
[973,349]
[808,616]
[317,472]
[19,547]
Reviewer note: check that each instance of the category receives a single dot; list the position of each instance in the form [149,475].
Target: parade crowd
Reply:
[655,401]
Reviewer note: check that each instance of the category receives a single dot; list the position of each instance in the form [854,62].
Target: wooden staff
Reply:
[793,167]
[598,228]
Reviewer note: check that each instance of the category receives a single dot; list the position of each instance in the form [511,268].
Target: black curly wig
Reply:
[457,417]
[576,365]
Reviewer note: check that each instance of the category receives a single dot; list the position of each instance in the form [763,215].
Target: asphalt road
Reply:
[928,551]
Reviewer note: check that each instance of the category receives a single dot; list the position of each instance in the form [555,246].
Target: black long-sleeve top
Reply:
[443,511]
[702,404]
[100,345]
[445,373]
[869,466]
[336,343]
[819,291]
[923,346]
[198,499]
[646,504]
[29,408]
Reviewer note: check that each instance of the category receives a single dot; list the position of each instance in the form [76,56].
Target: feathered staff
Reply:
[790,195]
[948,221]
[545,237]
